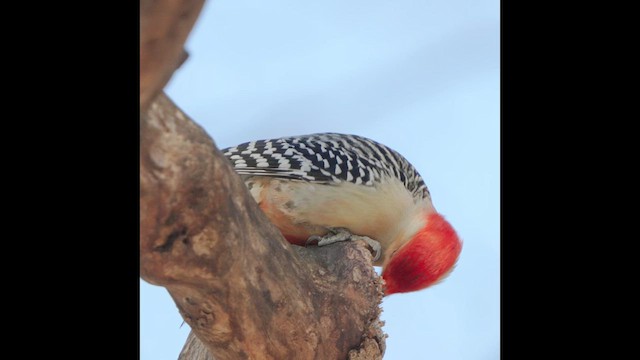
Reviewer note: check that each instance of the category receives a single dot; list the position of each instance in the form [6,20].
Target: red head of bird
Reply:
[428,257]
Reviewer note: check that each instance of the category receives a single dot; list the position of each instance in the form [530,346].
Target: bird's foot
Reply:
[341,234]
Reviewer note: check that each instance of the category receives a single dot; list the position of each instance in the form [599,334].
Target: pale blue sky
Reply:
[421,77]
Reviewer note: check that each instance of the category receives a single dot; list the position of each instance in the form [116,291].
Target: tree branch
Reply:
[245,291]
[164,27]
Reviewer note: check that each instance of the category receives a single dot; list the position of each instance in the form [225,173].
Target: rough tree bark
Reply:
[245,292]
[164,27]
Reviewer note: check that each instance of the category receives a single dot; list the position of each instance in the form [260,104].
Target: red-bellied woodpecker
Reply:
[328,186]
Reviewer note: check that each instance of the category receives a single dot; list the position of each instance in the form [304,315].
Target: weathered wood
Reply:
[194,350]
[245,292]
[164,27]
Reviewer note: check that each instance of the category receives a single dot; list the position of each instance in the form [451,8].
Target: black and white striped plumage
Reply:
[325,186]
[328,158]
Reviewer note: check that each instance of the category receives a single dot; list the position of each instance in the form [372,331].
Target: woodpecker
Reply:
[330,187]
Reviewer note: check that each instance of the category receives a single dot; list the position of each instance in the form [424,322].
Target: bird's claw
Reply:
[339,234]
[374,245]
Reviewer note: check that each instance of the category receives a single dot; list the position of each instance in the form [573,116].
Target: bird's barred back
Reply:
[325,158]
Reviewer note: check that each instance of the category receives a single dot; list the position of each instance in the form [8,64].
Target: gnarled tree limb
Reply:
[164,27]
[245,292]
